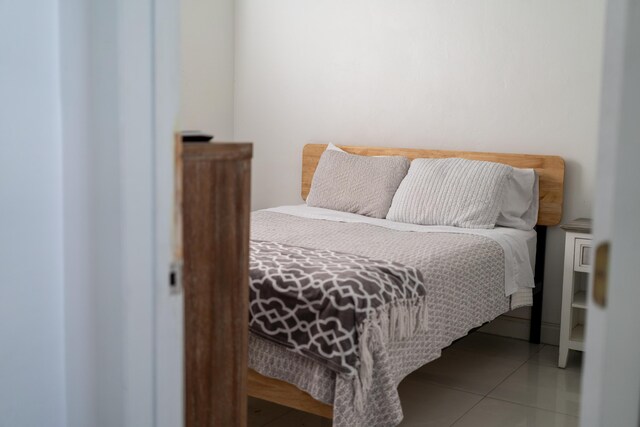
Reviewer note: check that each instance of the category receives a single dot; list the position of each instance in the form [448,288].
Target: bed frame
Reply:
[550,171]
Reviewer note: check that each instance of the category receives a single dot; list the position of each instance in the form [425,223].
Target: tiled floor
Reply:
[481,380]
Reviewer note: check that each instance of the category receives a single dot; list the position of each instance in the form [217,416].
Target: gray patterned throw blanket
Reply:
[334,307]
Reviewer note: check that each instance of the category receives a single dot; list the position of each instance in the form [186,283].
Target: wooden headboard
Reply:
[550,170]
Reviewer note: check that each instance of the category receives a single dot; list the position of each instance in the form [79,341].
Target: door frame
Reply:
[169,332]
[119,89]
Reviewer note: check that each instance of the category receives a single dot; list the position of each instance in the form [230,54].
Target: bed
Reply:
[470,276]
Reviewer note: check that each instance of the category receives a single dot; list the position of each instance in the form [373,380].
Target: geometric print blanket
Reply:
[333,307]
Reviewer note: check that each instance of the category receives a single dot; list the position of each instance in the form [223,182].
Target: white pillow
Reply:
[520,206]
[455,192]
[334,148]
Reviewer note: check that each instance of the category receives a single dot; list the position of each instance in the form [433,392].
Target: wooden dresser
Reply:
[216,207]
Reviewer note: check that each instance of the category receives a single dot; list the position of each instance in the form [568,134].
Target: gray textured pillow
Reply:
[358,184]
[456,192]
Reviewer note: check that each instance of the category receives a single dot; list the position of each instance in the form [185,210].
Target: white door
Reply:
[148,93]
[118,65]
[611,379]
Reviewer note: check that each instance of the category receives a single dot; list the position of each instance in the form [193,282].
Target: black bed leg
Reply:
[536,318]
[536,310]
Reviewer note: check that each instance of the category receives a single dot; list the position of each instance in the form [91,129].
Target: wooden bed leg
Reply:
[536,310]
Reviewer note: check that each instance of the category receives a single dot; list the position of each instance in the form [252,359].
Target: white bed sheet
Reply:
[519,245]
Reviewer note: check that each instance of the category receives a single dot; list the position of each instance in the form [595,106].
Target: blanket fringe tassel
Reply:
[393,322]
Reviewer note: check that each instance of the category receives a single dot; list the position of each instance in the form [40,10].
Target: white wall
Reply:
[32,376]
[492,75]
[207,58]
[80,297]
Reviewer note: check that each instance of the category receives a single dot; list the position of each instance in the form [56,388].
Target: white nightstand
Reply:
[577,266]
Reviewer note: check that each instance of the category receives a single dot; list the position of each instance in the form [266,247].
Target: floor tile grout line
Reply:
[483,396]
[448,387]
[467,411]
[507,377]
[511,374]
[487,396]
[473,392]
[492,389]
[492,355]
[539,350]
[531,406]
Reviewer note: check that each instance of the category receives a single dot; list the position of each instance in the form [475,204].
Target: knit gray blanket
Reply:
[333,307]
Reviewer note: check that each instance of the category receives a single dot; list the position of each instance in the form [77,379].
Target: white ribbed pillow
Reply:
[456,192]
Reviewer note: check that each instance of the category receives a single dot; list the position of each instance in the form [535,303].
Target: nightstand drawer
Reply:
[582,255]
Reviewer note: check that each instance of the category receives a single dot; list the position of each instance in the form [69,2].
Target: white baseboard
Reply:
[515,327]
